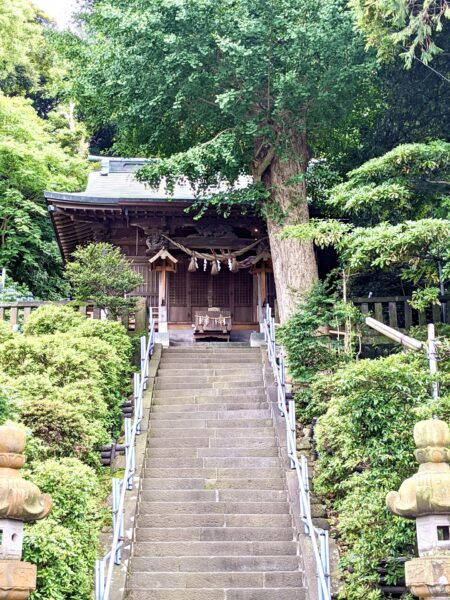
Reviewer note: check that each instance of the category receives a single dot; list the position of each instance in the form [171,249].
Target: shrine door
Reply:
[190,292]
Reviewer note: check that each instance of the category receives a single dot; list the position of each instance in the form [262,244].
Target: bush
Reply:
[51,318]
[64,560]
[74,488]
[5,332]
[112,332]
[48,355]
[366,448]
[65,381]
[87,397]
[64,429]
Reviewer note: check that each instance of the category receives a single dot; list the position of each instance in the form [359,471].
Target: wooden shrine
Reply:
[189,266]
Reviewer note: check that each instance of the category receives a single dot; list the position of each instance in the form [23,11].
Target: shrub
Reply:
[64,429]
[8,398]
[5,332]
[112,332]
[74,488]
[366,448]
[51,318]
[33,386]
[49,355]
[87,397]
[64,560]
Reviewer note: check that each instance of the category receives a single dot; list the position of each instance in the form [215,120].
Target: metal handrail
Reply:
[104,567]
[319,537]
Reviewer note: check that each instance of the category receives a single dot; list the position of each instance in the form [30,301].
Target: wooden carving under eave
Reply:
[262,263]
[163,261]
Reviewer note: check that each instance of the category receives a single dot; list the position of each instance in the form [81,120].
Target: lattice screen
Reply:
[199,288]
[243,288]
[221,289]
[177,289]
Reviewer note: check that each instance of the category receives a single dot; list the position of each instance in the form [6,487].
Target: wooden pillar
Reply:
[262,293]
[162,304]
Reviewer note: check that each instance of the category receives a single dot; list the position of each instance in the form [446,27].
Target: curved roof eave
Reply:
[103,200]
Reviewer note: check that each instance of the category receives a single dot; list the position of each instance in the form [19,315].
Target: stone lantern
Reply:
[426,498]
[20,501]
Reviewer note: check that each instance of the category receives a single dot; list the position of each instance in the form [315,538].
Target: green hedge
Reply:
[65,379]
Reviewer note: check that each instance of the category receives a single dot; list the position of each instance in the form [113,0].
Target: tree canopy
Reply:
[222,89]
[30,162]
[396,210]
[412,28]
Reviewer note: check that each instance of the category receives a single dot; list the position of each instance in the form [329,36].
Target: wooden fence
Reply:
[396,311]
[16,314]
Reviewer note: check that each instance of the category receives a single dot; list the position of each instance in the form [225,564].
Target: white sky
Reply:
[61,10]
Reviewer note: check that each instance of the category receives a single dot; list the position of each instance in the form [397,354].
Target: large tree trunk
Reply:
[294,262]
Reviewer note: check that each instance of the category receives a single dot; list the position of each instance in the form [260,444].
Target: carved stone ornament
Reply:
[426,497]
[19,499]
[428,491]
[17,580]
[429,577]
[154,240]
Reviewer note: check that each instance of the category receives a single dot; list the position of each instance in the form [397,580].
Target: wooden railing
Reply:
[396,311]
[17,314]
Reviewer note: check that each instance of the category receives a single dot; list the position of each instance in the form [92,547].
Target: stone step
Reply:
[208,377]
[178,362]
[212,348]
[218,594]
[228,370]
[215,520]
[211,353]
[247,452]
[215,564]
[209,395]
[161,410]
[230,579]
[222,432]
[185,418]
[230,508]
[213,424]
[207,549]
[214,534]
[213,496]
[214,463]
[213,473]
[206,442]
[196,384]
[214,483]
[168,452]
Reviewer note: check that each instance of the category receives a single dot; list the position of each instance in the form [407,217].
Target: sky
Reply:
[61,10]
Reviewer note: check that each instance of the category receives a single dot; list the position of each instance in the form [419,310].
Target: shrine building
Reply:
[188,266]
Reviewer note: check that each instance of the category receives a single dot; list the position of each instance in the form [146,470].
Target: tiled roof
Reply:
[116,180]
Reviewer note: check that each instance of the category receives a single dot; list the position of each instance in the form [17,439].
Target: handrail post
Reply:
[292,427]
[117,488]
[137,401]
[305,484]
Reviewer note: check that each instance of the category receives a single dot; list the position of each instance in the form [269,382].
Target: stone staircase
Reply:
[214,522]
